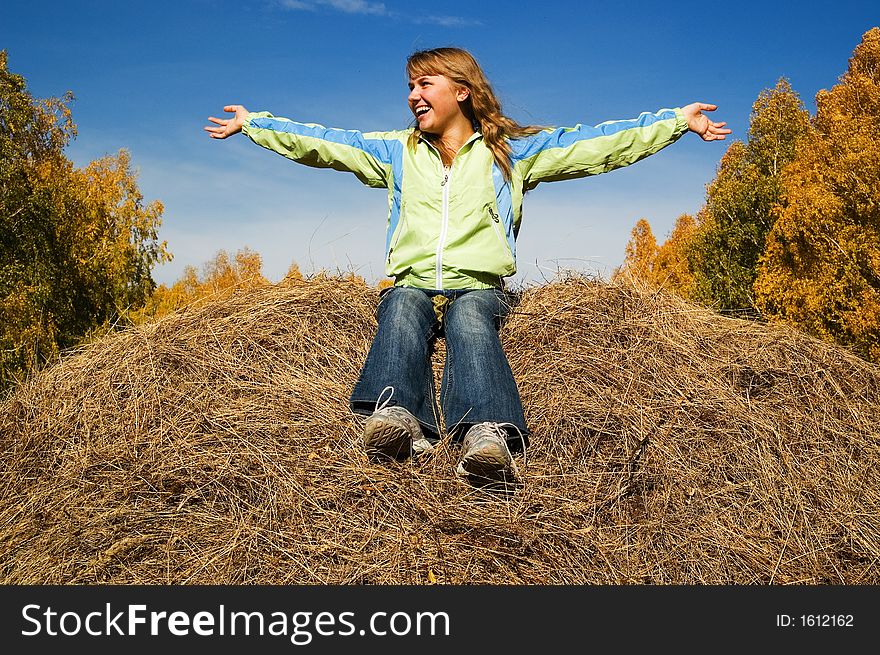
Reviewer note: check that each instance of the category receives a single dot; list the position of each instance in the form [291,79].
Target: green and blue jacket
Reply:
[456,227]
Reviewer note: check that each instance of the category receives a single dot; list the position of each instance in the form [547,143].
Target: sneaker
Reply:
[486,457]
[392,432]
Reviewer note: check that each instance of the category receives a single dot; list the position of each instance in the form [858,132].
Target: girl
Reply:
[455,184]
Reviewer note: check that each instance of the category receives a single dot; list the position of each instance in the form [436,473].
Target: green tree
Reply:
[76,245]
[741,202]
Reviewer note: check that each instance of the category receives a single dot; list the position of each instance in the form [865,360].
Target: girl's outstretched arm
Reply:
[228,126]
[369,155]
[699,123]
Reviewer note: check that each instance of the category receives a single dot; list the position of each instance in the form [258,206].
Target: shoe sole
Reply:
[386,438]
[487,467]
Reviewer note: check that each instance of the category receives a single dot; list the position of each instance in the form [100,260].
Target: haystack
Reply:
[670,445]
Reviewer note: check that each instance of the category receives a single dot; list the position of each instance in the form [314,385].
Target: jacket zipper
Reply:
[444,226]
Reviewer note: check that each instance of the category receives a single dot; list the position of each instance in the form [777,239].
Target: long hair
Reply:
[481,106]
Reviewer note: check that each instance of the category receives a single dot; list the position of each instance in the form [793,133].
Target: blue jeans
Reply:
[477,383]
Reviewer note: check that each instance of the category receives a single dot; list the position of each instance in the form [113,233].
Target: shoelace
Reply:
[420,444]
[502,434]
[387,400]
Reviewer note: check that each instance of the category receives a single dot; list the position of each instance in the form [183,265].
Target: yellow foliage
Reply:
[672,268]
[821,267]
[77,245]
[293,275]
[665,266]
[641,253]
[221,277]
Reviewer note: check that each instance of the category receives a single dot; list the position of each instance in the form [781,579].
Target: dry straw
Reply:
[670,445]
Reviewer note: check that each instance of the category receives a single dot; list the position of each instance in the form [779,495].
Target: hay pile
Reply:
[670,446]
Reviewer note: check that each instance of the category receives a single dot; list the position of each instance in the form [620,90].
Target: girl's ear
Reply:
[462,94]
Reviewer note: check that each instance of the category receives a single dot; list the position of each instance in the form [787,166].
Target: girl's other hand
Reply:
[698,122]
[228,126]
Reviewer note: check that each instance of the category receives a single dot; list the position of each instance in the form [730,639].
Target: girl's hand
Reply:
[228,126]
[700,123]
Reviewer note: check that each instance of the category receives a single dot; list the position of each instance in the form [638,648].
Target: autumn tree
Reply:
[741,202]
[76,245]
[244,270]
[220,277]
[641,253]
[673,268]
[293,275]
[664,266]
[712,258]
[821,269]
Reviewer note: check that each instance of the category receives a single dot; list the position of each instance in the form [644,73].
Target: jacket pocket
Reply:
[495,219]
[401,226]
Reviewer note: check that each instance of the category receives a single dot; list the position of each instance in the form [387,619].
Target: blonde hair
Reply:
[481,106]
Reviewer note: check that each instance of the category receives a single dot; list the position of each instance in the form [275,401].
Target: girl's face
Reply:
[433,100]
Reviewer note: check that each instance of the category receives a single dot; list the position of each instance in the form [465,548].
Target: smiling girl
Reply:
[455,183]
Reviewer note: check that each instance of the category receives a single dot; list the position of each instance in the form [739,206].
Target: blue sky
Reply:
[147,75]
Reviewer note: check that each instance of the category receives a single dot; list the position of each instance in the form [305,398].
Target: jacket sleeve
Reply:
[570,152]
[367,155]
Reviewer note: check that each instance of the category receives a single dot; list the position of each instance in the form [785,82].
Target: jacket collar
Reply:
[476,135]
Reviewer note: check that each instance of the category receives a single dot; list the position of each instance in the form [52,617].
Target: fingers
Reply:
[223,130]
[217,132]
[707,130]
[715,133]
[227,127]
